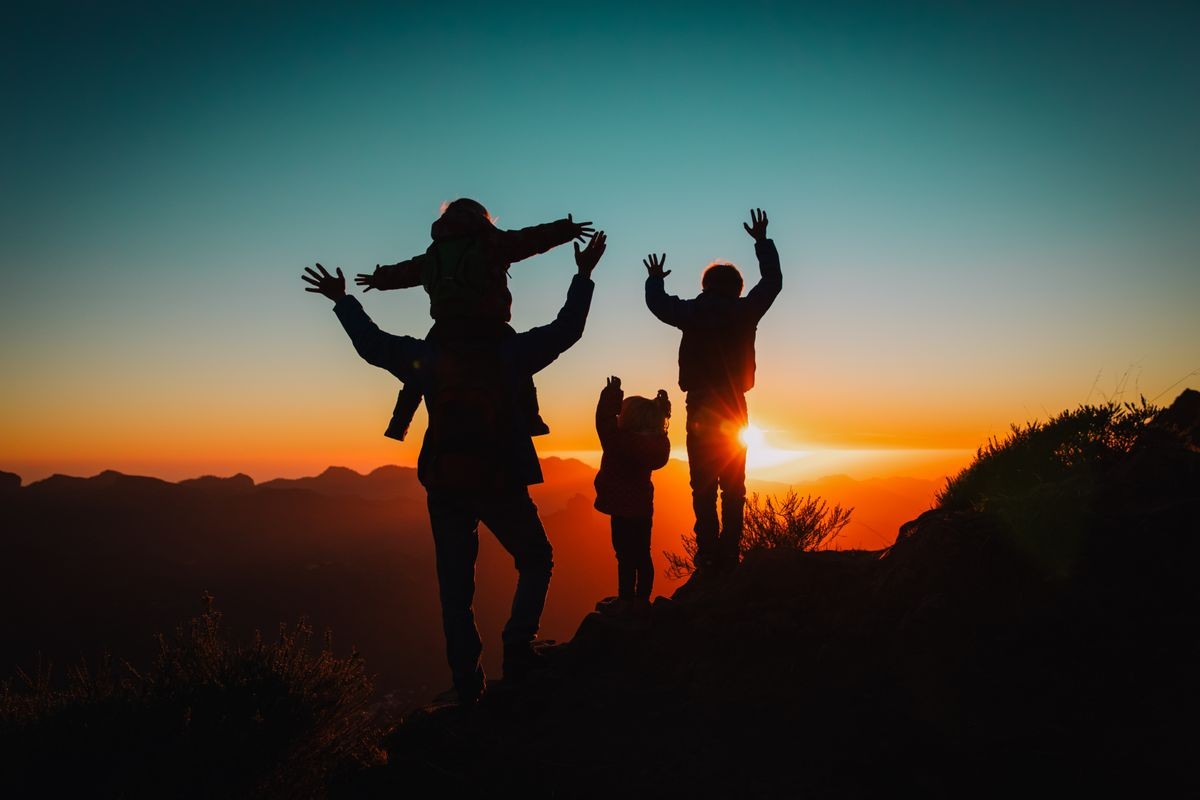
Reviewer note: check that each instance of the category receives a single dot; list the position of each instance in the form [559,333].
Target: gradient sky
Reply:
[985,213]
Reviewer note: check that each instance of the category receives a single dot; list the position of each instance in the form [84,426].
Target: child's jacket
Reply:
[465,269]
[716,351]
[623,486]
[465,273]
[419,363]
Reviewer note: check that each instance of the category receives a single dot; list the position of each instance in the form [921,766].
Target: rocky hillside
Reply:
[1040,639]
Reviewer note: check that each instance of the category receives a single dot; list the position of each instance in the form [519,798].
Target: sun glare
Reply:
[760,453]
[753,436]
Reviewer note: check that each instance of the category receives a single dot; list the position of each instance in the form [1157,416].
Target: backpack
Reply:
[470,417]
[461,281]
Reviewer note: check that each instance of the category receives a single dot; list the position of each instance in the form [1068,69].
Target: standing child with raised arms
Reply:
[716,369]
[633,436]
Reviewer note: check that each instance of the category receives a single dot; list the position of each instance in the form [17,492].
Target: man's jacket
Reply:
[716,352]
[516,358]
[483,253]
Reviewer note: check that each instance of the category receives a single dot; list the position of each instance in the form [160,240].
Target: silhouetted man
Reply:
[716,369]
[477,459]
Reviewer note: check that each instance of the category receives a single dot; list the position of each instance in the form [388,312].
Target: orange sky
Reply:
[977,226]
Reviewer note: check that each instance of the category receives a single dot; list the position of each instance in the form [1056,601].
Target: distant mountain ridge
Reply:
[381,482]
[109,560]
[880,505]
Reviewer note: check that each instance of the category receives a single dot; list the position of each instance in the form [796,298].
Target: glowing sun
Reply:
[753,437]
[759,452]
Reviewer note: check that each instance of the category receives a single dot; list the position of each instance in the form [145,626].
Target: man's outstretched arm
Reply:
[396,354]
[770,284]
[537,348]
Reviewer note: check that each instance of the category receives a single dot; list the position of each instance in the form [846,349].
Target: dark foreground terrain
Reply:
[1034,633]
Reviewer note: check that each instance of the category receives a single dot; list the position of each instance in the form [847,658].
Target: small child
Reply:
[465,273]
[633,436]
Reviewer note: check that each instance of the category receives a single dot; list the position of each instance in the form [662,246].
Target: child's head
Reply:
[466,207]
[722,278]
[641,415]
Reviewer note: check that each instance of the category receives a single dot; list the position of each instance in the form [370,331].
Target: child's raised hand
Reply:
[612,389]
[368,281]
[587,258]
[654,265]
[664,402]
[758,224]
[583,230]
[323,283]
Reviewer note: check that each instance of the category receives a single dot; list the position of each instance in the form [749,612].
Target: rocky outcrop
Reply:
[9,482]
[968,658]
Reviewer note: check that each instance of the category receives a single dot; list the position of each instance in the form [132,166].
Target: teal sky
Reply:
[985,212]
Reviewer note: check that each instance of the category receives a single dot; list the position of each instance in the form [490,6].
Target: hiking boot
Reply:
[454,697]
[520,660]
[703,578]
[605,605]
[705,561]
[615,606]
[726,564]
[467,689]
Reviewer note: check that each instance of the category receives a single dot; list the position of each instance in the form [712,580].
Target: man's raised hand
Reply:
[582,230]
[367,280]
[654,265]
[323,283]
[758,224]
[587,258]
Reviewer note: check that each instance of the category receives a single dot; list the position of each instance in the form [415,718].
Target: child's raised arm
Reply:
[526,242]
[607,410]
[403,275]
[770,284]
[667,307]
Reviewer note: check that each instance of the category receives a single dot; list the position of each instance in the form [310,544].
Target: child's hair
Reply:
[722,278]
[641,415]
[465,205]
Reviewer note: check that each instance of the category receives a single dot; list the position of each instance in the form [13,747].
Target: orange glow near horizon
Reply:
[760,454]
[293,418]
[298,440]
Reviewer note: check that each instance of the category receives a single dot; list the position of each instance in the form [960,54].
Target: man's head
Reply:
[722,279]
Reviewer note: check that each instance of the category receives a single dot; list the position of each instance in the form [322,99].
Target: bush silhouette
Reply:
[1077,445]
[1045,482]
[773,523]
[210,717]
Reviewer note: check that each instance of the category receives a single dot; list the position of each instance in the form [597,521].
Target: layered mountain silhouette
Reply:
[1030,634]
[106,562]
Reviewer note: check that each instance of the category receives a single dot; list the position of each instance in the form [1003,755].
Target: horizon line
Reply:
[581,457]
